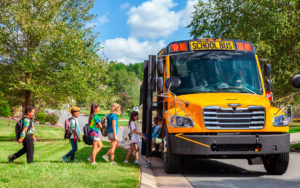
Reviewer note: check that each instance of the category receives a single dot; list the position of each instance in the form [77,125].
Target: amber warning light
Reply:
[179,47]
[242,46]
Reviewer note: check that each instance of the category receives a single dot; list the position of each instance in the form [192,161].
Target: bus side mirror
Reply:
[267,69]
[160,67]
[160,84]
[268,85]
[172,83]
[296,81]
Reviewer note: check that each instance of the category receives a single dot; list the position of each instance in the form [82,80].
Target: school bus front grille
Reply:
[216,117]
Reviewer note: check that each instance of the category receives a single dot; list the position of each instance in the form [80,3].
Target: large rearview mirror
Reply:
[160,67]
[160,84]
[296,81]
[268,85]
[267,69]
[172,83]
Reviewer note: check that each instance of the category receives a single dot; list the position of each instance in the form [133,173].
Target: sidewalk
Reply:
[295,138]
[156,177]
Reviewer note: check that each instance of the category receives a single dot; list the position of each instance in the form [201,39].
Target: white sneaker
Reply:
[113,162]
[90,159]
[126,161]
[137,162]
[105,157]
[94,163]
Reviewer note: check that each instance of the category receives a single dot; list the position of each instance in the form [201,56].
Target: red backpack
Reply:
[68,132]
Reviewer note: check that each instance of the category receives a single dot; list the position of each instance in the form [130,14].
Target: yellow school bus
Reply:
[215,102]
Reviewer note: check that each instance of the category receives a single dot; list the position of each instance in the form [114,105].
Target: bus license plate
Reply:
[212,45]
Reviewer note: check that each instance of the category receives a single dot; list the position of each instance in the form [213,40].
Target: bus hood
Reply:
[225,100]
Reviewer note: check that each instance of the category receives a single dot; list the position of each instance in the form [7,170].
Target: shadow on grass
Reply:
[13,138]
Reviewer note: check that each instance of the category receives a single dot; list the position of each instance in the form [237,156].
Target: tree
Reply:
[272,26]
[47,54]
[125,86]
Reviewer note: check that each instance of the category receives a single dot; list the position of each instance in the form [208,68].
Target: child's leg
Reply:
[95,143]
[111,143]
[112,151]
[30,149]
[129,152]
[74,149]
[100,145]
[136,147]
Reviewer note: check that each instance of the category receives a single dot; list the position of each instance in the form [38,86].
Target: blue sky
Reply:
[130,30]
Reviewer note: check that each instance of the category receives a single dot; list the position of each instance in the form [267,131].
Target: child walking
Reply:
[134,116]
[95,125]
[75,134]
[112,132]
[27,137]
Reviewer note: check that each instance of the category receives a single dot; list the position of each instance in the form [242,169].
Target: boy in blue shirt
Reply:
[74,127]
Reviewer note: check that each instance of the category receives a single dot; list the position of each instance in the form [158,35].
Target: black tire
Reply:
[171,161]
[276,164]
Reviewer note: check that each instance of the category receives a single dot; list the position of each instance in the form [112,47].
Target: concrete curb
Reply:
[156,176]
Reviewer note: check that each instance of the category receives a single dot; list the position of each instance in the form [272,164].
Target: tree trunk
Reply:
[27,96]
[122,112]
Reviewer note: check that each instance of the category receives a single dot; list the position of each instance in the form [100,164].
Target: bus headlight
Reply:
[280,121]
[181,121]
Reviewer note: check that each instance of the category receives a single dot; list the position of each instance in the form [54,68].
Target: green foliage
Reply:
[4,106]
[272,26]
[125,84]
[4,109]
[52,118]
[48,55]
[41,117]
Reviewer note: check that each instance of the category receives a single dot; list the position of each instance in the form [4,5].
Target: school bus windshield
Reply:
[216,72]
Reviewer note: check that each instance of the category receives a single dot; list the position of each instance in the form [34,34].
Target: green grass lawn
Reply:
[48,169]
[294,127]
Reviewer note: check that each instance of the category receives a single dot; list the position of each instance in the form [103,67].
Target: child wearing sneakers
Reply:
[75,134]
[134,116]
[95,125]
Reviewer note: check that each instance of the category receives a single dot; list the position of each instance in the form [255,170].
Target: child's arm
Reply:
[73,125]
[138,133]
[114,129]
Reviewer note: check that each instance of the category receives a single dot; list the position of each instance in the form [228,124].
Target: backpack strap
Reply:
[71,118]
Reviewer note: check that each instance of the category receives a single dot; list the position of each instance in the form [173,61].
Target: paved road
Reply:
[237,173]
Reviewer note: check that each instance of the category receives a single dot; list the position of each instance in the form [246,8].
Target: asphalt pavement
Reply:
[237,173]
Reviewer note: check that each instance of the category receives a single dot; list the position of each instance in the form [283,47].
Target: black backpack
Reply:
[87,138]
[104,123]
[19,127]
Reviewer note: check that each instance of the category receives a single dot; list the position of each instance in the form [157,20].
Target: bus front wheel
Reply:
[276,164]
[171,161]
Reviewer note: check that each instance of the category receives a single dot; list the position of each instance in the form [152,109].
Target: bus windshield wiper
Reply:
[237,88]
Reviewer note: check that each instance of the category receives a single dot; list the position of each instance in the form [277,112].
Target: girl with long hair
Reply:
[134,116]
[112,132]
[95,125]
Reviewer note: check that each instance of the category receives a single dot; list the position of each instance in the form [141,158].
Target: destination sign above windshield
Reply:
[211,45]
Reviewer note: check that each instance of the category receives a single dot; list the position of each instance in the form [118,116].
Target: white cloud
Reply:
[103,19]
[186,13]
[100,21]
[124,6]
[131,50]
[155,18]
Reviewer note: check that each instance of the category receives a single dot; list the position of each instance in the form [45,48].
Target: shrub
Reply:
[41,117]
[52,118]
[4,108]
